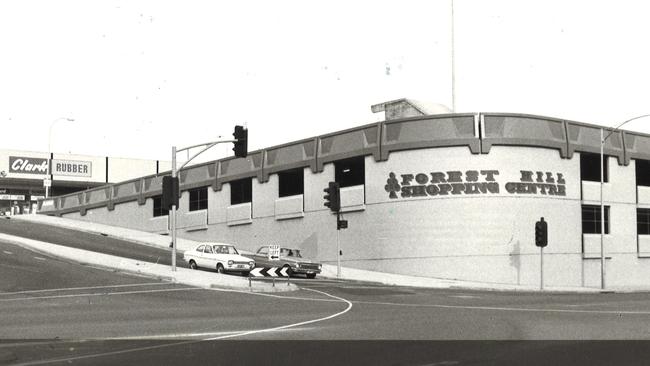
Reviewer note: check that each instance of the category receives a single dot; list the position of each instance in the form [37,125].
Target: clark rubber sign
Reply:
[72,168]
[472,182]
[26,165]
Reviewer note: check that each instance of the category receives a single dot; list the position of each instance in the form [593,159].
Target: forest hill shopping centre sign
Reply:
[472,182]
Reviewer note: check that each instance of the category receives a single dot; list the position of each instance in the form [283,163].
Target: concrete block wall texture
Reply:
[444,212]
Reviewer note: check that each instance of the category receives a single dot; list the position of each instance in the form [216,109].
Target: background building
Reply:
[449,196]
[22,174]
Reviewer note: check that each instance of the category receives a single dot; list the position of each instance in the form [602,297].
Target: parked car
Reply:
[289,258]
[219,256]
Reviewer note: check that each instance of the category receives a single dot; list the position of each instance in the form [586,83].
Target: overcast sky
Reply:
[140,76]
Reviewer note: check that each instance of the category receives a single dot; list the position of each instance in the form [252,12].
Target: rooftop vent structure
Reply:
[403,108]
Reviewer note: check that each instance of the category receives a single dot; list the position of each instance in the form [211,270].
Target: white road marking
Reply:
[85,288]
[239,334]
[7,252]
[465,296]
[40,258]
[101,294]
[496,308]
[295,324]
[187,335]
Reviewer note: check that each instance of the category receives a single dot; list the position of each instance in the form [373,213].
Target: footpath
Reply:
[208,279]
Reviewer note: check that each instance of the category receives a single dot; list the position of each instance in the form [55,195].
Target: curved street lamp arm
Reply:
[619,126]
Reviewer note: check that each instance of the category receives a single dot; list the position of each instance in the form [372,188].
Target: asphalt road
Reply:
[82,240]
[52,310]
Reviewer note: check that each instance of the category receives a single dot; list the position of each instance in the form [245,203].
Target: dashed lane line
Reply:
[40,258]
[465,296]
[100,294]
[85,288]
[188,335]
[7,252]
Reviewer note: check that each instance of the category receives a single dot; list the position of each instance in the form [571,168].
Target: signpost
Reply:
[274,252]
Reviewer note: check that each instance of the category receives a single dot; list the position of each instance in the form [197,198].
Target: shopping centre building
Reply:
[24,174]
[451,196]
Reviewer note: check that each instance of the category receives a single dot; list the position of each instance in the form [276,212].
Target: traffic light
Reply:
[332,198]
[241,145]
[541,233]
[170,192]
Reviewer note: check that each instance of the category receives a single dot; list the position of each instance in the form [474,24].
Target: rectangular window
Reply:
[591,219]
[291,183]
[158,209]
[350,172]
[643,221]
[590,167]
[642,172]
[199,199]
[241,191]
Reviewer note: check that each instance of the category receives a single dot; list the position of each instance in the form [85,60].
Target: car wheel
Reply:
[289,270]
[220,268]
[311,275]
[193,265]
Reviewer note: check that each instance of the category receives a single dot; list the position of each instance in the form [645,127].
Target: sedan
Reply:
[222,257]
[289,258]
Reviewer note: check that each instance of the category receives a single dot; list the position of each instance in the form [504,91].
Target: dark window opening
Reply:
[158,209]
[291,183]
[241,191]
[590,167]
[642,172]
[591,219]
[350,172]
[199,199]
[643,221]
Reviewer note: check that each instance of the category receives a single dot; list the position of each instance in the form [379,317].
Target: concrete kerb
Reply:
[329,271]
[182,275]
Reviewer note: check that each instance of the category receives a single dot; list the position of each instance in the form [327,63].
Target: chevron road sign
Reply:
[269,272]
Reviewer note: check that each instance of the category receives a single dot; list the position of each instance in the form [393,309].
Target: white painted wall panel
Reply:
[239,214]
[289,207]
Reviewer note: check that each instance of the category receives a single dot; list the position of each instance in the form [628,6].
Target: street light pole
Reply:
[602,205]
[173,213]
[49,150]
[602,213]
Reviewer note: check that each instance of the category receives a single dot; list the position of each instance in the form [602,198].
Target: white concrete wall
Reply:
[479,237]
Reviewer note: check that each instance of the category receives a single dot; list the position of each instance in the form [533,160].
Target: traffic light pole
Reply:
[172,214]
[338,245]
[541,268]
